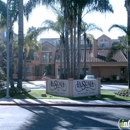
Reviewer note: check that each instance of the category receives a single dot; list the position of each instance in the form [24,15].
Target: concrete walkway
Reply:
[57,102]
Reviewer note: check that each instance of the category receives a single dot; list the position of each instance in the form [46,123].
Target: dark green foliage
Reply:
[2,78]
[123,92]
[15,91]
[2,74]
[3,9]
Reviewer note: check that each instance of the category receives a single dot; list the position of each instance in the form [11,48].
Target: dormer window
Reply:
[103,42]
[46,48]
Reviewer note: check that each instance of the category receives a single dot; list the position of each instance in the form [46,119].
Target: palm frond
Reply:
[121,27]
[115,48]
[87,27]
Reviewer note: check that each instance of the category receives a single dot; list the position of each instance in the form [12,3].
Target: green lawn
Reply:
[34,94]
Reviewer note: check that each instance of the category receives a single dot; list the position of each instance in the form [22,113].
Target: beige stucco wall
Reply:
[53,50]
[105,72]
[104,69]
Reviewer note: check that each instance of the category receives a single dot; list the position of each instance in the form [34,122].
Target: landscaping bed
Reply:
[123,92]
[14,91]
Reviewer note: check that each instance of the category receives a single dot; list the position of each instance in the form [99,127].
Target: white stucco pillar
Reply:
[99,87]
[70,87]
[47,84]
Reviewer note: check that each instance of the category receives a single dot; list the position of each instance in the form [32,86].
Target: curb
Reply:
[70,105]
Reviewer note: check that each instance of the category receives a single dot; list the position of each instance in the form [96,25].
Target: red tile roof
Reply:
[101,56]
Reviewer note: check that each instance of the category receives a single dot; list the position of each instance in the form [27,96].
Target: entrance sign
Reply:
[58,87]
[73,88]
[85,88]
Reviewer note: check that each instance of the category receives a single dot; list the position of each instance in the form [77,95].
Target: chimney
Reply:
[95,51]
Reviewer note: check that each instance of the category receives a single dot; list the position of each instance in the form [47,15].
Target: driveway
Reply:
[42,85]
[113,87]
[34,84]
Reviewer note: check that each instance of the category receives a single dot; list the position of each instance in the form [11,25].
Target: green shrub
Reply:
[2,78]
[123,92]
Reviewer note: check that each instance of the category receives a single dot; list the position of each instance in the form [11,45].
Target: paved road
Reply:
[113,87]
[61,118]
[34,84]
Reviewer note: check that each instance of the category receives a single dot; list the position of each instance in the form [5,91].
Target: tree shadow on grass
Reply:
[111,97]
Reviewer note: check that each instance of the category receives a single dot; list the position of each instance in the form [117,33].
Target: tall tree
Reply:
[58,27]
[78,5]
[20,42]
[30,44]
[3,14]
[88,38]
[123,46]
[127,6]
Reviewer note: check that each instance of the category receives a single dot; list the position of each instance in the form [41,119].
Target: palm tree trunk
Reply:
[128,28]
[64,56]
[11,59]
[25,61]
[60,57]
[127,5]
[66,14]
[72,48]
[85,65]
[20,42]
[79,44]
[75,23]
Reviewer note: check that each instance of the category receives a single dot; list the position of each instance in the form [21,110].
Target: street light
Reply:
[7,47]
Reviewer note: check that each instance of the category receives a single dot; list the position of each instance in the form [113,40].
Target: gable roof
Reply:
[52,41]
[103,36]
[101,56]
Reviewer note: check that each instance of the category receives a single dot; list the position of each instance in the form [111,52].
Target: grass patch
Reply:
[36,94]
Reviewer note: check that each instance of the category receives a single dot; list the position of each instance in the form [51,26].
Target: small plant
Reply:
[14,91]
[2,78]
[123,92]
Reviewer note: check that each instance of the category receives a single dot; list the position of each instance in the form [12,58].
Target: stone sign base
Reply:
[73,88]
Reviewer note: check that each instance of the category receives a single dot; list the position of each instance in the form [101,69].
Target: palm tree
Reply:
[88,38]
[58,27]
[92,5]
[13,11]
[3,14]
[30,43]
[127,6]
[78,6]
[20,42]
[123,46]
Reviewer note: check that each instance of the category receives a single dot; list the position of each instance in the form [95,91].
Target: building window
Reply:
[47,57]
[47,70]
[36,70]
[123,71]
[36,58]
[105,40]
[101,40]
[46,48]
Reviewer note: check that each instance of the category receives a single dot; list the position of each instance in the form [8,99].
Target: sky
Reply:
[104,21]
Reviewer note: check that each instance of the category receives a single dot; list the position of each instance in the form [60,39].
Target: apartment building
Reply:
[46,62]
